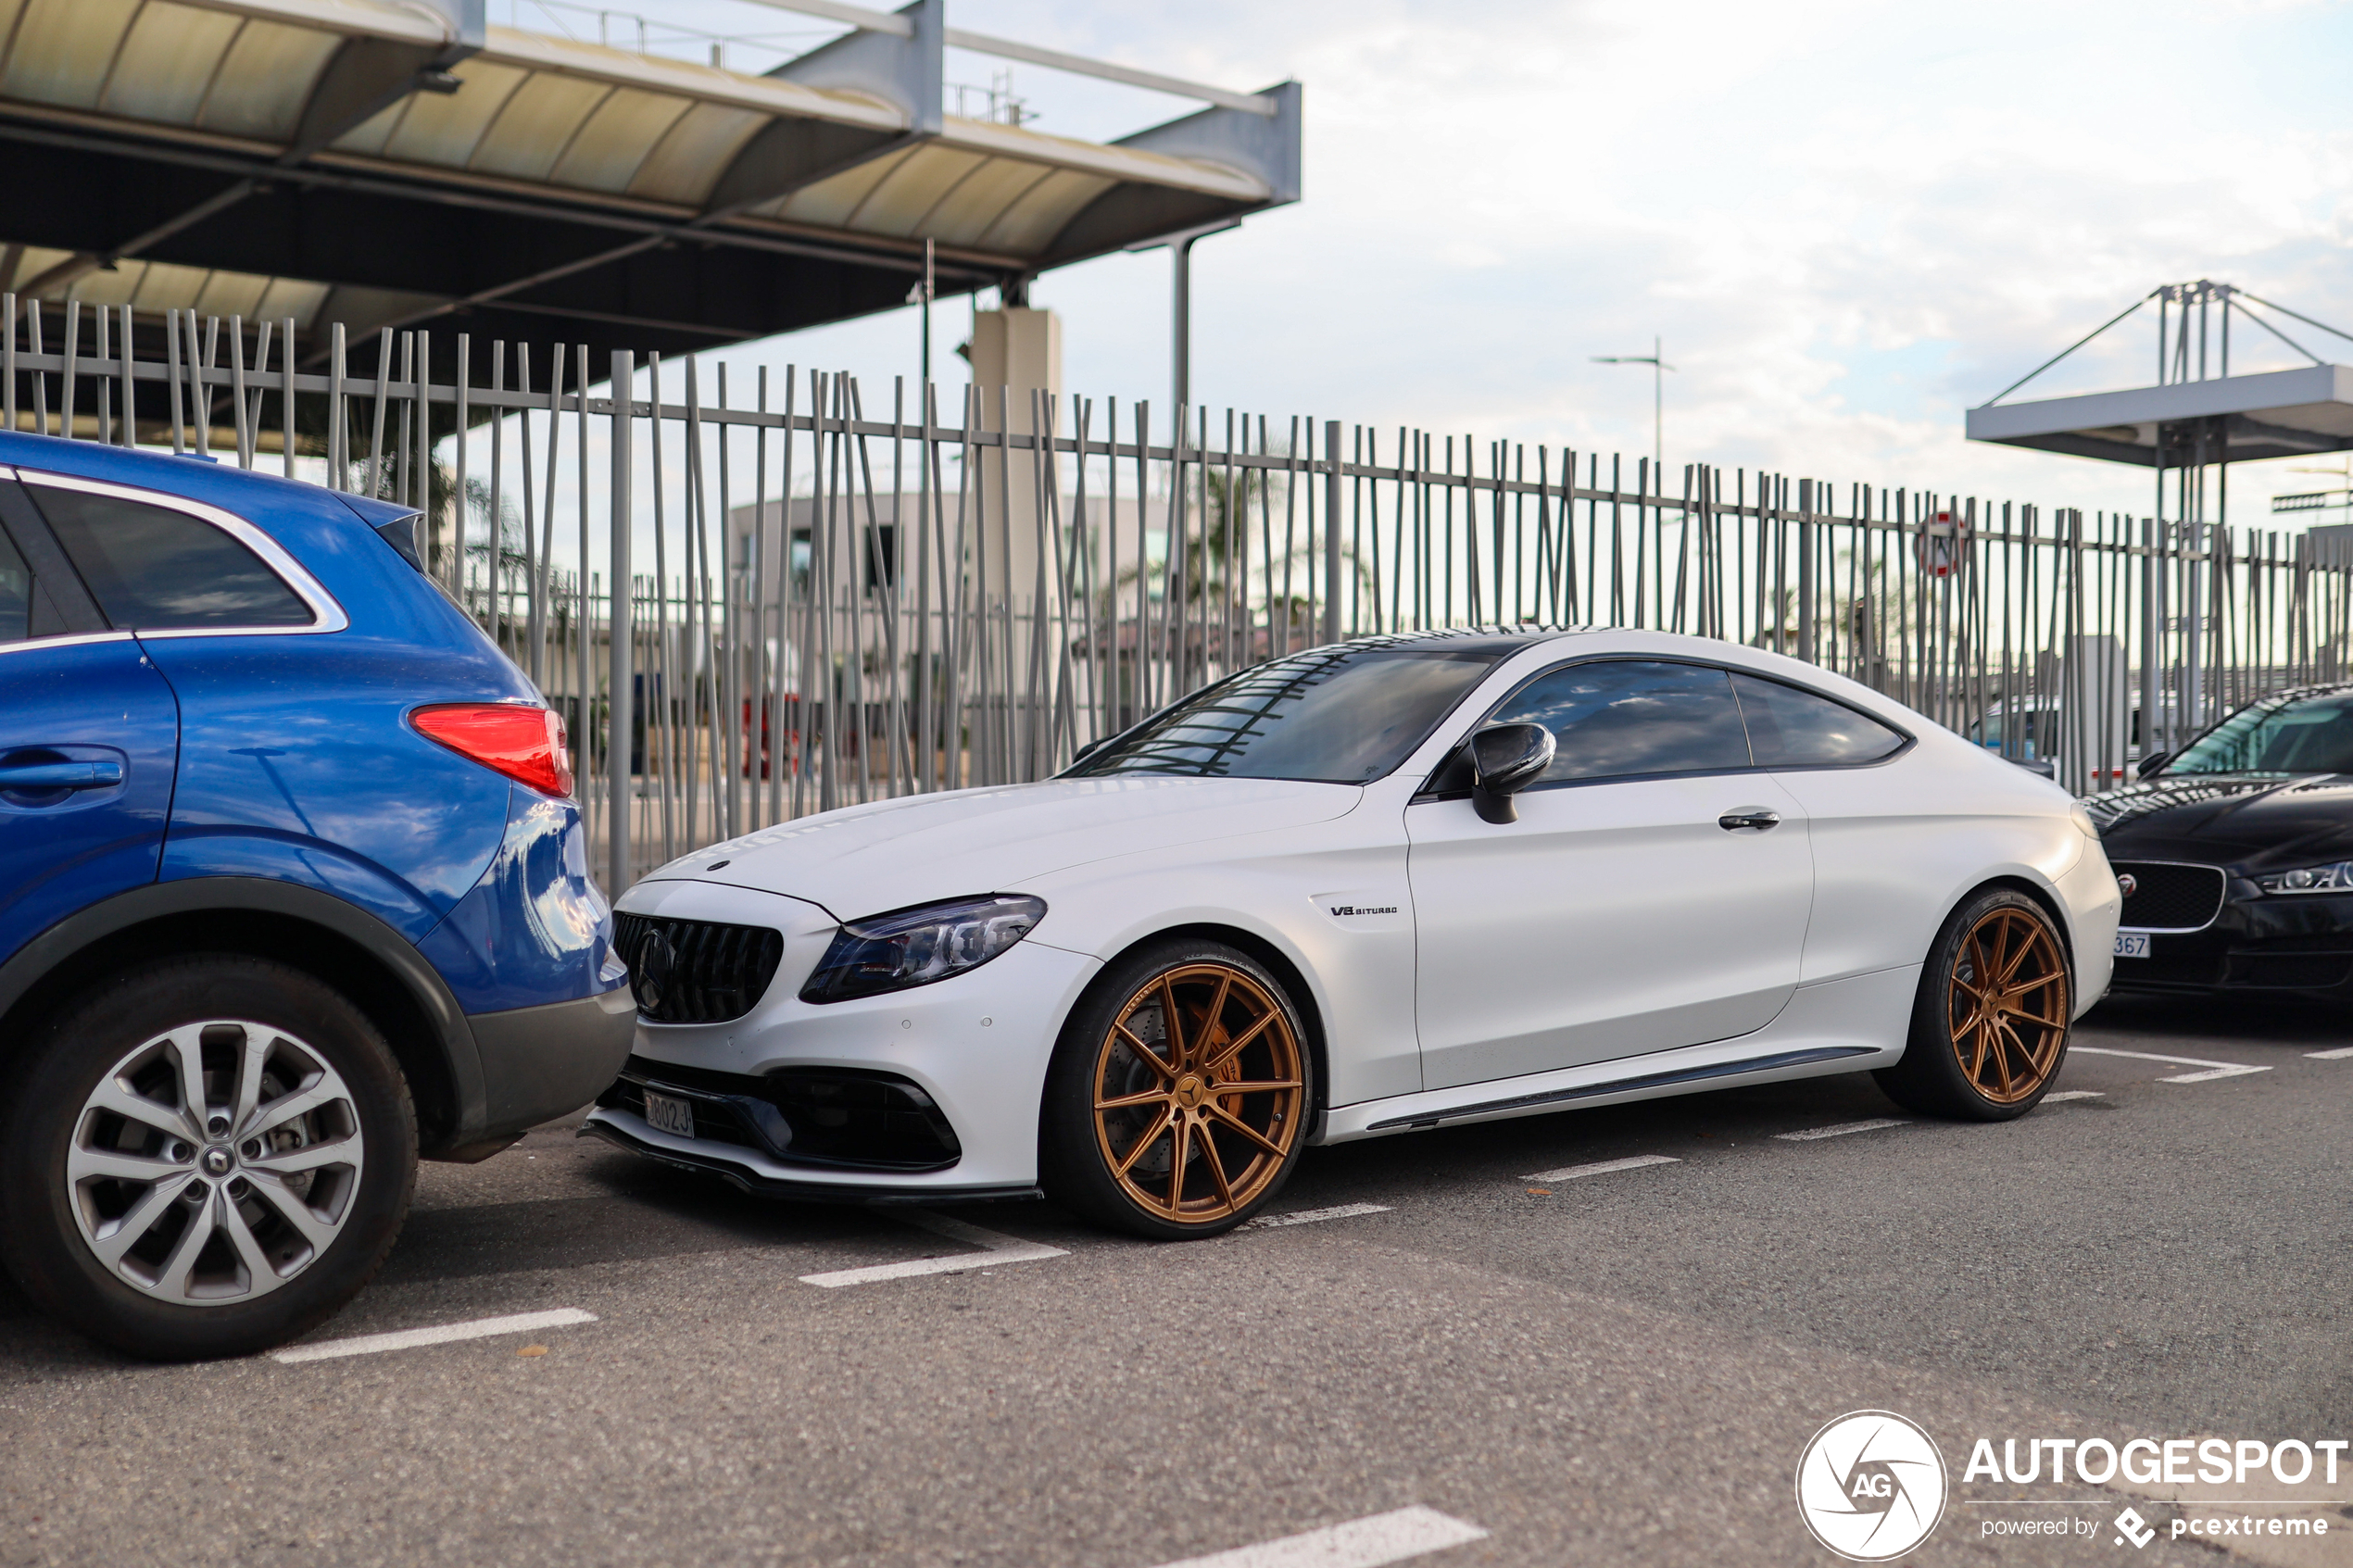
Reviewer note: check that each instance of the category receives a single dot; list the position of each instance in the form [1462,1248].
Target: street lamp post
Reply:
[1659,367]
[1181,249]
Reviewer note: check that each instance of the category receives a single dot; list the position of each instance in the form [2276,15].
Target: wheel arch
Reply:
[1282,967]
[2043,897]
[336,942]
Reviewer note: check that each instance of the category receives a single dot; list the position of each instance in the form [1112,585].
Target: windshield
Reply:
[2310,735]
[1341,715]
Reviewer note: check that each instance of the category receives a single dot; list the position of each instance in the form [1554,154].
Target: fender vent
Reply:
[699,971]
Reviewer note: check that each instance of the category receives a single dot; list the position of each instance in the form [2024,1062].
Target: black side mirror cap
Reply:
[1505,760]
[2149,765]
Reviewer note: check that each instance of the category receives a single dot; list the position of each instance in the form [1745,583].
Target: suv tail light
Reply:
[526,743]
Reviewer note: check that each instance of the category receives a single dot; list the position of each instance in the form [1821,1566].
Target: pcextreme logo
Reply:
[1870,1486]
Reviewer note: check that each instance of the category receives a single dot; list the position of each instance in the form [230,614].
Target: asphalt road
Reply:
[1619,1367]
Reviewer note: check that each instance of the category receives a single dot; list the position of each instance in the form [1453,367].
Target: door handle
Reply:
[61,775]
[1733,822]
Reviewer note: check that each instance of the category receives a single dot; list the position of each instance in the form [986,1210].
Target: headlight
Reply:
[2337,878]
[905,947]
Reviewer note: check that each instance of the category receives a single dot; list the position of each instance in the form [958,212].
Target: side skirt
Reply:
[1837,1026]
[1628,1086]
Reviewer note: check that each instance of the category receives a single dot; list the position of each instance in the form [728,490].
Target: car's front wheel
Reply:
[1178,1102]
[203,1157]
[1990,1022]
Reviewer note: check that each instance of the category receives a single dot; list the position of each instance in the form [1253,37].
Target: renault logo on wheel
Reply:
[1870,1486]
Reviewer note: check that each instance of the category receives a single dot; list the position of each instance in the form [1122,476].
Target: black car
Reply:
[2236,854]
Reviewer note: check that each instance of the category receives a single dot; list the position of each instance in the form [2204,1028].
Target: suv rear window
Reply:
[155,569]
[25,608]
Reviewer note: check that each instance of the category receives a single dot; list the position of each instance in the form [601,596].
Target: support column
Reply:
[1019,350]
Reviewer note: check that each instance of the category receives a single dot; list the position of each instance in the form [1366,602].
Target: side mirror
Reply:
[2148,765]
[1505,760]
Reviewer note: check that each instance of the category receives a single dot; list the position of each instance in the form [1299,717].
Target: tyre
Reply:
[1177,1102]
[1989,1024]
[205,1156]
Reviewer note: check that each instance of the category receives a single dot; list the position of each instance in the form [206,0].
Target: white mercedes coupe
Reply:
[1399,882]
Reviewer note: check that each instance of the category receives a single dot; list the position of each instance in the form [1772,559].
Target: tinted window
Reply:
[2311,735]
[151,569]
[1790,728]
[1340,716]
[26,609]
[1620,716]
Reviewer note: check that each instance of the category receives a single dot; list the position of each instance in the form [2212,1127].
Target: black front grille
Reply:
[704,972]
[838,1116]
[2170,898]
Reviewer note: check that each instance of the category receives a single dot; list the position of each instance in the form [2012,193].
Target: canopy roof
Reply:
[2189,417]
[392,164]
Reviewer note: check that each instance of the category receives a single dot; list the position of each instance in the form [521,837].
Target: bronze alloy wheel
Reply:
[1199,1094]
[2006,1004]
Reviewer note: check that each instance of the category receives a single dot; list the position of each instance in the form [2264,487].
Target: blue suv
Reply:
[293,892]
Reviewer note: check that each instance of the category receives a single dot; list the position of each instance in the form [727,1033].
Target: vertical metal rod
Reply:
[619,869]
[286,391]
[41,378]
[171,368]
[660,674]
[458,497]
[376,436]
[338,413]
[1331,531]
[237,390]
[73,366]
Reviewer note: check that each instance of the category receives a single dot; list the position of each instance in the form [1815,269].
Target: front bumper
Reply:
[2296,945]
[626,1131]
[976,1048]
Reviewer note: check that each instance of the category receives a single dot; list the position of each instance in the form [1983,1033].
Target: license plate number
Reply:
[2131,944]
[665,1114]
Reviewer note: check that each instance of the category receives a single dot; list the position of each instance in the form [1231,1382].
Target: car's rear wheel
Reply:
[1177,1102]
[1989,1024]
[207,1157]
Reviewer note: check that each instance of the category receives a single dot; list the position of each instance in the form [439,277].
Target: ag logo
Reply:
[1870,1486]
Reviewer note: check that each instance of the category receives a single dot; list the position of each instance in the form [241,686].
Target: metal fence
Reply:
[830,602]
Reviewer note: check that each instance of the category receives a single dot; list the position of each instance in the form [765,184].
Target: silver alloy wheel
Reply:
[215,1162]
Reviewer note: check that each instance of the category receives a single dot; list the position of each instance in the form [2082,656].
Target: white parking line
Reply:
[2337,1055]
[410,1338]
[1843,1128]
[995,1250]
[1360,1543]
[2220,1069]
[1602,1168]
[1310,1216]
[2073,1094]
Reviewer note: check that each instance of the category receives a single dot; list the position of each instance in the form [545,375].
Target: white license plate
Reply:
[664,1114]
[2131,944]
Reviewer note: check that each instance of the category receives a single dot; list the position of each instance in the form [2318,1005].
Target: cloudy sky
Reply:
[1847,221]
